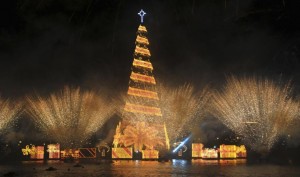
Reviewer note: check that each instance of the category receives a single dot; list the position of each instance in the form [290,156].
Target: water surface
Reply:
[201,168]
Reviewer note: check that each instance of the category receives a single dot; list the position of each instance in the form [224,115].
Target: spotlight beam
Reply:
[182,143]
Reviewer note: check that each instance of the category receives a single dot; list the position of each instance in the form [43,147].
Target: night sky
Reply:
[47,44]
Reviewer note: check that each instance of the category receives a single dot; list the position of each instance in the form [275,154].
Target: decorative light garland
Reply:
[142,40]
[143,78]
[142,93]
[142,51]
[141,63]
[129,107]
[142,28]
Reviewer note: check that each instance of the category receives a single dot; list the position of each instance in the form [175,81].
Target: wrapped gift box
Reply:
[227,151]
[69,153]
[54,151]
[122,153]
[210,153]
[150,154]
[197,149]
[38,153]
[241,151]
[87,153]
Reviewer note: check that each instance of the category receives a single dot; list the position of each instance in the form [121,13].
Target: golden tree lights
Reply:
[142,78]
[142,93]
[144,127]
[142,51]
[141,63]
[135,114]
[142,40]
[142,29]
[142,109]
[167,137]
[117,137]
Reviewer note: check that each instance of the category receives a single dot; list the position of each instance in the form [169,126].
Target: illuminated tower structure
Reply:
[143,102]
[142,126]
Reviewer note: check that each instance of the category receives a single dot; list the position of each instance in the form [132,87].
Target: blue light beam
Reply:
[182,143]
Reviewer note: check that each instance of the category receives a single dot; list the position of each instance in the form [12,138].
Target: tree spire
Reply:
[142,14]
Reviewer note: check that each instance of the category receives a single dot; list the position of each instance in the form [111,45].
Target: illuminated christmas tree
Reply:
[143,125]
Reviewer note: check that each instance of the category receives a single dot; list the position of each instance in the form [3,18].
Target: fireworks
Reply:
[8,113]
[259,110]
[182,108]
[70,116]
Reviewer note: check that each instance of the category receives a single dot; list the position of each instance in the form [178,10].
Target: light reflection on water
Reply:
[200,167]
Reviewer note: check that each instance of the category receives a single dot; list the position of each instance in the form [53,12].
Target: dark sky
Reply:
[47,44]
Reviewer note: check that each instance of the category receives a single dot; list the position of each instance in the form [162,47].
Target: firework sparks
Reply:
[183,108]
[8,114]
[259,110]
[70,116]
